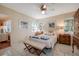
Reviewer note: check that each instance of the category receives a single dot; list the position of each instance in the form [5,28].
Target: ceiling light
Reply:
[43,12]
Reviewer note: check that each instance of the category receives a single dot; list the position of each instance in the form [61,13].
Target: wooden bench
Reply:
[34,47]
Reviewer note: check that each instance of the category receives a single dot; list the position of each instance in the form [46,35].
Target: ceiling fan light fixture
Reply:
[43,8]
[43,11]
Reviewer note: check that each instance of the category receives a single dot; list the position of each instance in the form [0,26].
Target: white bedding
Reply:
[49,43]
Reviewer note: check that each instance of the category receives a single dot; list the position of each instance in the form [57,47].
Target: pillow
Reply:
[39,33]
[45,37]
[35,37]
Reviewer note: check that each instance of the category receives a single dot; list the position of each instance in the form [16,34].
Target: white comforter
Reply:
[50,42]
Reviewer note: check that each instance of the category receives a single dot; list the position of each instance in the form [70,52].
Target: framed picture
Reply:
[52,24]
[23,24]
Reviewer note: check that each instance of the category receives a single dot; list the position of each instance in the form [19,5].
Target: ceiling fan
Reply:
[43,8]
[46,7]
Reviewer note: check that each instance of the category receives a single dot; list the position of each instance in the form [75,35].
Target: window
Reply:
[35,27]
[69,25]
[7,26]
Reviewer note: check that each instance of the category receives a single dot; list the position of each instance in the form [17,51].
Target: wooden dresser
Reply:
[64,39]
[1,22]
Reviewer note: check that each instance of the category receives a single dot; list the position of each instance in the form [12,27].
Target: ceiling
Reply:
[33,9]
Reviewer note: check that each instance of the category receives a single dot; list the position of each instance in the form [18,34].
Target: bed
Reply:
[49,43]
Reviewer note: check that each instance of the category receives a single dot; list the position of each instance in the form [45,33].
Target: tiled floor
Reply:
[59,50]
[65,50]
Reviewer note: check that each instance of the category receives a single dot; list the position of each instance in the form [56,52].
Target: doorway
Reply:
[5,33]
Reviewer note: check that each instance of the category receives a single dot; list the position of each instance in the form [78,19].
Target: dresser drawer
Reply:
[64,39]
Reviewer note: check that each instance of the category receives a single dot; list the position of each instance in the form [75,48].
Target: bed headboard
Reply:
[39,33]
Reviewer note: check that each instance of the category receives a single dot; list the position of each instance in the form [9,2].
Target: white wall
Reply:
[59,21]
